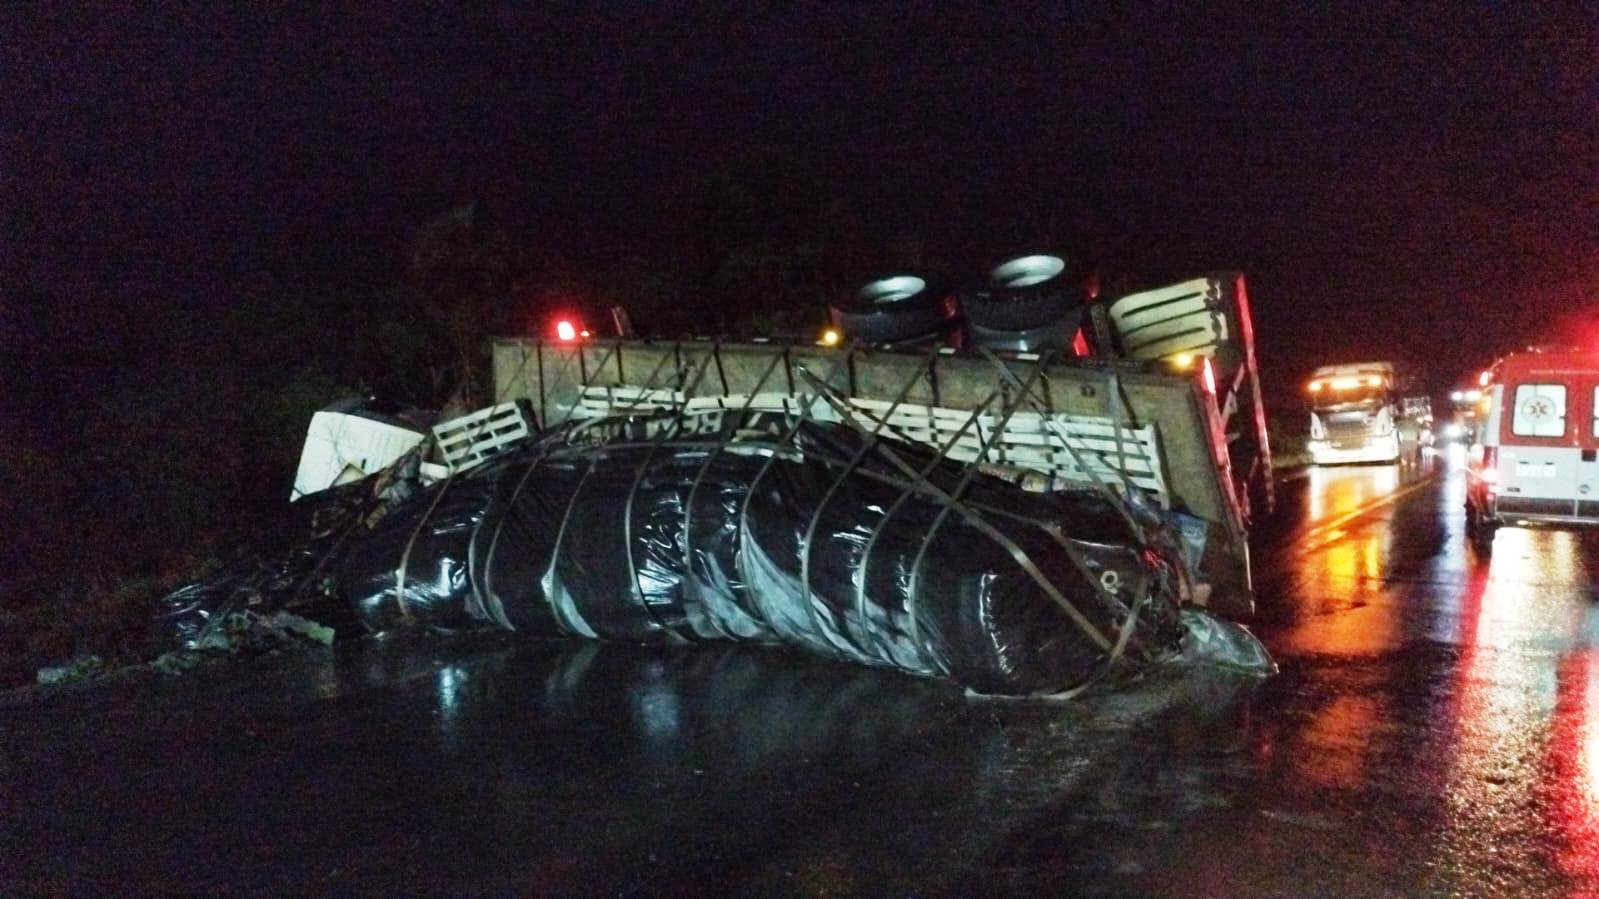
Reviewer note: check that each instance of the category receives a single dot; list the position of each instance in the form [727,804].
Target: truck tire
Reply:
[1055,335]
[894,307]
[1480,530]
[1180,318]
[1483,539]
[1024,293]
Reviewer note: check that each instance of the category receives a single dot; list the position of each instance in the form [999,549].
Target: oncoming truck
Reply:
[1354,414]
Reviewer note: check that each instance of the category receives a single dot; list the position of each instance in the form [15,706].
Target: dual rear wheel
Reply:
[1480,529]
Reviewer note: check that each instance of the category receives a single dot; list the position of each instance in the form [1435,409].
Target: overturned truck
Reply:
[1021,523]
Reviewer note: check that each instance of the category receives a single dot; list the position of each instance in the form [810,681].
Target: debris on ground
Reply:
[245,632]
[79,670]
[1212,641]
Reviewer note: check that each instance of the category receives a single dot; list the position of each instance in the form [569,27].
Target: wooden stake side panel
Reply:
[1168,417]
[1061,447]
[559,380]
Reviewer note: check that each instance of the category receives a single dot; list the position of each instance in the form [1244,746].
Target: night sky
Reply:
[1403,180]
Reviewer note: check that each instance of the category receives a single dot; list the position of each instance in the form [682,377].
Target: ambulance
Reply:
[1537,459]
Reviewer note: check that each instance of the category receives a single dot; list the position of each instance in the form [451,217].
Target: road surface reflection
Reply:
[1465,682]
[1339,490]
[783,766]
[1434,731]
[1524,729]
[1337,597]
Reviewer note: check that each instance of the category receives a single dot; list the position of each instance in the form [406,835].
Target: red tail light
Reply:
[1080,343]
[1490,467]
[565,330]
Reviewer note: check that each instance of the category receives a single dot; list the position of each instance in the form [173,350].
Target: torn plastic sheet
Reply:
[878,552]
[188,617]
[1213,641]
[294,587]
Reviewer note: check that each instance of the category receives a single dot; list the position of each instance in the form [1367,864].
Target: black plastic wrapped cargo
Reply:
[821,536]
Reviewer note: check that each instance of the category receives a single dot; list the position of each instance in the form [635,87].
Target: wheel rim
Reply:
[887,291]
[1026,271]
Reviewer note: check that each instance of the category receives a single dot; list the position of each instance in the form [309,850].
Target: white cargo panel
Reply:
[341,447]
[473,438]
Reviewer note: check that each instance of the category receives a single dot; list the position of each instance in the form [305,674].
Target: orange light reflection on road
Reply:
[1346,560]
[1357,560]
[1339,491]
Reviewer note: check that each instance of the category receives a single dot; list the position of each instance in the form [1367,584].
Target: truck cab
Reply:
[1354,414]
[1535,462]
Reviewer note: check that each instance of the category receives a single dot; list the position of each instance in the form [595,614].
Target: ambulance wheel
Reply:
[1483,541]
[1479,530]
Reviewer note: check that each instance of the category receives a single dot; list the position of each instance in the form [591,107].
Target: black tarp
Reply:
[814,535]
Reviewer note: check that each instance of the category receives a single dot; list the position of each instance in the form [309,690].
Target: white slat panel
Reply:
[1068,448]
[474,437]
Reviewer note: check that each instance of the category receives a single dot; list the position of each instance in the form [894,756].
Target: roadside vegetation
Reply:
[1286,430]
[156,440]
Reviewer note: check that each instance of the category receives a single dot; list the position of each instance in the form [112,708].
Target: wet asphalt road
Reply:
[1434,731]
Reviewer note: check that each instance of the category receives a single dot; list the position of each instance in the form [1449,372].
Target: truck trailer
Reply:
[1354,414]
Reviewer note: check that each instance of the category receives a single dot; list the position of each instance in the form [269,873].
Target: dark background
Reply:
[214,223]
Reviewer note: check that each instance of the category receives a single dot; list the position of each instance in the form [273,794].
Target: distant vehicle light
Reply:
[1210,377]
[830,337]
[1457,396]
[1345,383]
[1484,378]
[583,333]
[1315,386]
[1473,395]
[1182,361]
[565,330]
[1453,431]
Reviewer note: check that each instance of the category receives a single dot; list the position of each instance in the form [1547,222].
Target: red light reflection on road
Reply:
[1572,783]
[1526,722]
[1499,714]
